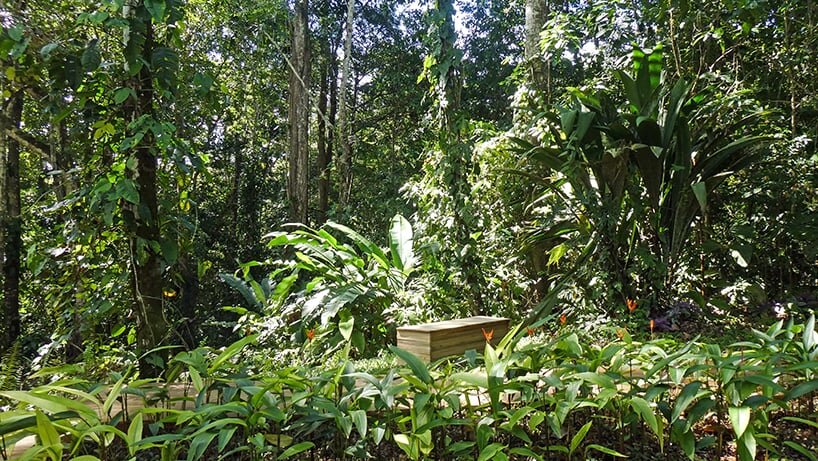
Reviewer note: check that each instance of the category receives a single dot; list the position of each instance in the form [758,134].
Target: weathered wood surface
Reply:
[431,341]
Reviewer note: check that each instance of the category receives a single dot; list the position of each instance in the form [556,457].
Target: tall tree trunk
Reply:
[188,300]
[299,115]
[344,138]
[794,102]
[536,12]
[457,157]
[4,138]
[12,225]
[60,158]
[322,162]
[235,194]
[143,219]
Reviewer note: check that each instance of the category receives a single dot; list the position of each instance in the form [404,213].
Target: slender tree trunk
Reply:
[323,148]
[457,156]
[238,165]
[333,109]
[143,219]
[188,300]
[536,12]
[299,115]
[12,226]
[790,74]
[61,158]
[345,141]
[4,138]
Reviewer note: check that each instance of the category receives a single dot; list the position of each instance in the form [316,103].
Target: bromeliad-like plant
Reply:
[632,178]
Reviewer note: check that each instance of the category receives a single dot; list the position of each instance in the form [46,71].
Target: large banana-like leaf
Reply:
[401,244]
[362,243]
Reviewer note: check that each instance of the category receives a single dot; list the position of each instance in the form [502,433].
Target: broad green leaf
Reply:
[401,243]
[126,189]
[225,435]
[49,403]
[134,433]
[366,246]
[802,421]
[196,378]
[199,445]
[599,379]
[359,420]
[490,452]
[230,351]
[605,450]
[678,96]
[377,434]
[157,9]
[415,364]
[747,446]
[296,449]
[577,439]
[684,399]
[803,451]
[557,253]
[170,250]
[644,410]
[799,390]
[46,50]
[46,431]
[808,337]
[700,191]
[522,451]
[90,57]
[242,287]
[472,378]
[345,327]
[113,395]
[739,418]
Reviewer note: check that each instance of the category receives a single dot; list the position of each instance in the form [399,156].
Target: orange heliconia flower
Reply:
[651,326]
[488,334]
[563,319]
[631,305]
[310,334]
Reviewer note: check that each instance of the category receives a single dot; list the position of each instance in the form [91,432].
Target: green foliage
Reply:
[335,290]
[629,180]
[550,389]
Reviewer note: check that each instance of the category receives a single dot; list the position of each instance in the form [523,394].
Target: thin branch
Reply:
[25,139]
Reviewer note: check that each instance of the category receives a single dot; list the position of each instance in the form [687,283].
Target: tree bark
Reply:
[143,219]
[4,128]
[344,138]
[299,116]
[23,138]
[12,225]
[322,162]
[536,12]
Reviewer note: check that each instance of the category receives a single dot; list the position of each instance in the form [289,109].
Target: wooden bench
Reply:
[431,341]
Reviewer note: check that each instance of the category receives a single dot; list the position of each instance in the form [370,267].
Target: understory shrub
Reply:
[536,395]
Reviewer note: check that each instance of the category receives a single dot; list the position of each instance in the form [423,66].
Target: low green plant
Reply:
[556,397]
